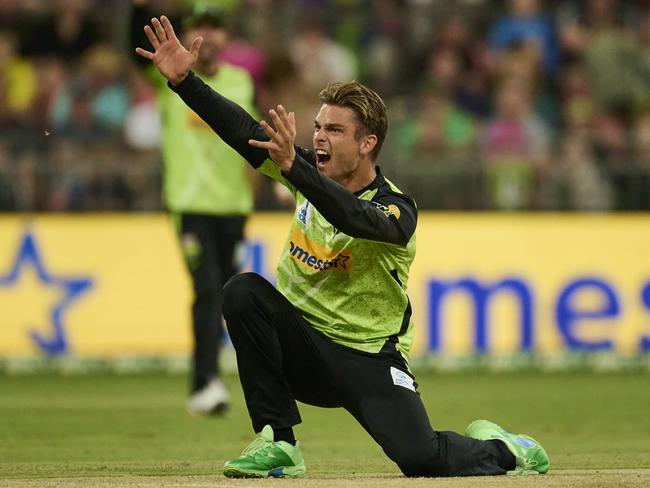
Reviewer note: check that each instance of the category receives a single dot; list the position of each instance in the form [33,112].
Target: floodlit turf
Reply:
[133,431]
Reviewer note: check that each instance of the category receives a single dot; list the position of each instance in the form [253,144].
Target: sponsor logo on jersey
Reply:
[388,210]
[315,256]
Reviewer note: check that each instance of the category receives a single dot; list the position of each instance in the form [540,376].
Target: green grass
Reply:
[96,426]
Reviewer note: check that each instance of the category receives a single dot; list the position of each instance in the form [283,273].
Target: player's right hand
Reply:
[170,57]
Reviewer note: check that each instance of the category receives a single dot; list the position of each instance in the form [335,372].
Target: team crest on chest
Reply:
[303,213]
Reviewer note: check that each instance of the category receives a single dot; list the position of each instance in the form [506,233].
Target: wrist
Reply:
[285,166]
[177,80]
[288,163]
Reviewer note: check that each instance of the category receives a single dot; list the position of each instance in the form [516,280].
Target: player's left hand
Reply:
[281,146]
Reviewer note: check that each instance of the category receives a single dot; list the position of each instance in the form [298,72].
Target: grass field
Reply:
[108,430]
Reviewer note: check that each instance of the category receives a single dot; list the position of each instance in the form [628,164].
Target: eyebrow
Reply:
[330,126]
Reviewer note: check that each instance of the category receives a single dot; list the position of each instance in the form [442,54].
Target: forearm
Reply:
[230,121]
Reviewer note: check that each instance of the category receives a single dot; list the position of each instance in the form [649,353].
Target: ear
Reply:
[368,143]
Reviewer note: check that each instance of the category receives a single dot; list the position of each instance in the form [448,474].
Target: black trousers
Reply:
[209,244]
[282,358]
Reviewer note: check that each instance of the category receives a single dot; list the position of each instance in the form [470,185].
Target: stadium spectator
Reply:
[380,45]
[457,59]
[337,331]
[393,43]
[207,189]
[526,24]
[439,140]
[17,82]
[643,41]
[439,131]
[96,101]
[284,82]
[319,58]
[612,141]
[240,52]
[575,181]
[601,34]
[577,104]
[142,125]
[54,79]
[516,145]
[65,29]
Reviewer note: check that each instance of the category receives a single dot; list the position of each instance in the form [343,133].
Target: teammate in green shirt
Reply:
[206,188]
[336,332]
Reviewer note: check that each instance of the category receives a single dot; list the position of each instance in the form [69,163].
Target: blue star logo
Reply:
[28,255]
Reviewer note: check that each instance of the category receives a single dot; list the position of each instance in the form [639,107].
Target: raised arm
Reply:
[230,121]
[226,118]
[170,57]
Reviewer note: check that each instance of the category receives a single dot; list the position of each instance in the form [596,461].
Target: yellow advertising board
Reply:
[111,285]
[92,285]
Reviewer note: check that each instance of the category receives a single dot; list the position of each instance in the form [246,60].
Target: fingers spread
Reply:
[288,121]
[152,37]
[196,45]
[280,125]
[268,129]
[160,31]
[144,54]
[261,144]
[167,26]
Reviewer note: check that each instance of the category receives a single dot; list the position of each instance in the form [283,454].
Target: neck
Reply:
[360,179]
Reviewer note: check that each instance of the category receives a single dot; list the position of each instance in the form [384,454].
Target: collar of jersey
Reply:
[376,183]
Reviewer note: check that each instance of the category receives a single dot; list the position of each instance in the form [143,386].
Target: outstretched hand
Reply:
[170,57]
[281,146]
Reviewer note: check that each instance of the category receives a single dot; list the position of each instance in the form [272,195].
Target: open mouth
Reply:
[322,157]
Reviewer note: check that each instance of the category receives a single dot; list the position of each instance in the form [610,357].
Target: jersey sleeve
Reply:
[389,216]
[230,121]
[269,168]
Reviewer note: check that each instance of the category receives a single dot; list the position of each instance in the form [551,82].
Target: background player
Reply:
[207,189]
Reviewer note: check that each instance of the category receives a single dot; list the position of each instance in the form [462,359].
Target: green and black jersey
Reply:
[346,260]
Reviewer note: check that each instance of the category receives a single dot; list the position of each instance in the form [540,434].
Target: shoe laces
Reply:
[257,445]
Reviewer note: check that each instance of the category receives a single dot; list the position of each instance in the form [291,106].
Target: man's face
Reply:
[338,151]
[214,40]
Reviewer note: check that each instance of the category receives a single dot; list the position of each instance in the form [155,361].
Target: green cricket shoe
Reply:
[530,456]
[265,458]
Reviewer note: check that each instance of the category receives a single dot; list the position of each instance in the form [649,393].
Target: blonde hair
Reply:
[365,103]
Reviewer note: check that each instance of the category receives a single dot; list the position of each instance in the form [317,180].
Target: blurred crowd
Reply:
[506,105]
